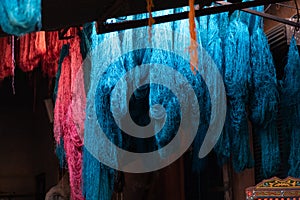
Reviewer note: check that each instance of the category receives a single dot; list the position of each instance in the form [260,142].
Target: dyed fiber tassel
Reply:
[181,42]
[291,106]
[264,100]
[237,68]
[61,154]
[32,50]
[60,151]
[215,53]
[7,65]
[268,138]
[98,180]
[74,122]
[202,30]
[68,115]
[50,59]
[159,94]
[202,94]
[63,98]
[63,53]
[294,160]
[18,17]
[214,47]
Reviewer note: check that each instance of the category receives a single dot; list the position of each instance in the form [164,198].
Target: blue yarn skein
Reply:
[18,17]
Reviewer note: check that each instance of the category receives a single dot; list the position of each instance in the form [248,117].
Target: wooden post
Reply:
[226,182]
[244,179]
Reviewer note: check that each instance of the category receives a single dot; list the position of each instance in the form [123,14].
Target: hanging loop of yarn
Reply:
[18,17]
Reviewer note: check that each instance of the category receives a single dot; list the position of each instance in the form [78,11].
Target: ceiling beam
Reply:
[229,7]
[58,14]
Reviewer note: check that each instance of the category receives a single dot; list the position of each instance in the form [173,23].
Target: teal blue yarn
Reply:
[264,100]
[223,146]
[291,84]
[18,17]
[290,94]
[214,44]
[98,180]
[215,49]
[294,158]
[270,154]
[236,79]
[60,153]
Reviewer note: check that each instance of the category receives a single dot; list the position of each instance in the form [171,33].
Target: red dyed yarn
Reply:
[69,114]
[6,57]
[50,59]
[32,50]
[63,99]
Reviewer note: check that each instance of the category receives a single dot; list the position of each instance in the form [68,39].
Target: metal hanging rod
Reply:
[266,15]
[285,5]
[104,27]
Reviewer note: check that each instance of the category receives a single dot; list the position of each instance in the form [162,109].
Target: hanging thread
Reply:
[151,21]
[193,46]
[13,63]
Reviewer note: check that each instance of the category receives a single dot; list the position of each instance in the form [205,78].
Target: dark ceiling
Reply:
[57,14]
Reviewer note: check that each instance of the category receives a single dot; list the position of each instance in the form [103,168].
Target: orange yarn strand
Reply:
[151,21]
[193,45]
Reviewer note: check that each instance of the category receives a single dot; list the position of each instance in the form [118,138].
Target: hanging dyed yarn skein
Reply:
[69,115]
[7,65]
[138,102]
[237,68]
[264,99]
[74,121]
[214,49]
[222,148]
[159,94]
[32,50]
[60,151]
[62,97]
[182,42]
[291,106]
[51,58]
[98,179]
[18,17]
